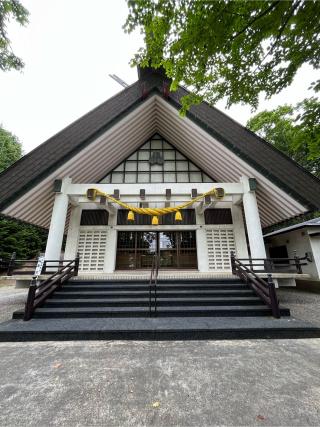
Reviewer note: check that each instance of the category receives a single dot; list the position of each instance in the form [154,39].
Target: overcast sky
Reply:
[69,48]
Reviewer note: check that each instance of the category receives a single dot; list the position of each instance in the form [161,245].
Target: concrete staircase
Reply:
[178,298]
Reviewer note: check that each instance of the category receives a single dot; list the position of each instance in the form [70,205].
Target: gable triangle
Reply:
[156,161]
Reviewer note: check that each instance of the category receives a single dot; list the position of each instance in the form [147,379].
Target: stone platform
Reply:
[147,328]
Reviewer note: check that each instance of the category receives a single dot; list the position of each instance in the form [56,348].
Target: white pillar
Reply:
[73,233]
[111,249]
[239,232]
[251,212]
[57,224]
[202,247]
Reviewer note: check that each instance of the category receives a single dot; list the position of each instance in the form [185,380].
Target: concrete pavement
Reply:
[177,383]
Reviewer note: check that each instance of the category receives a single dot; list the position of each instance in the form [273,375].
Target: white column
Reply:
[239,232]
[73,233]
[202,248]
[111,250]
[315,246]
[57,224]
[251,212]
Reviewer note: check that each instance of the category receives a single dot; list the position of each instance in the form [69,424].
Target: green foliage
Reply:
[10,9]
[10,149]
[235,49]
[295,130]
[25,239]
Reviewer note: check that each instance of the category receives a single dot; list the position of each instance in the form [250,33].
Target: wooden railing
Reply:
[153,285]
[276,265]
[265,290]
[14,267]
[38,293]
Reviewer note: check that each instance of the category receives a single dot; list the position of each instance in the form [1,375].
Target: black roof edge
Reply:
[84,143]
[263,171]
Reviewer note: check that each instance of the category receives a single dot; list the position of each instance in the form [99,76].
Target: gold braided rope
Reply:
[92,193]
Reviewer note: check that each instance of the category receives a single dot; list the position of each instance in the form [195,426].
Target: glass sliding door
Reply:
[176,249]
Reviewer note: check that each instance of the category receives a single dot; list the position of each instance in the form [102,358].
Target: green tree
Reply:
[233,49]
[15,236]
[295,130]
[10,149]
[10,9]
[24,239]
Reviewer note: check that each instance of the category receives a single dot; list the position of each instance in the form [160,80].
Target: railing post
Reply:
[28,312]
[297,262]
[76,264]
[268,265]
[273,297]
[11,264]
[233,264]
[43,271]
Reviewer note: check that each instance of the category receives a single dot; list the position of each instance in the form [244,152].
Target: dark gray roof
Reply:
[315,222]
[47,157]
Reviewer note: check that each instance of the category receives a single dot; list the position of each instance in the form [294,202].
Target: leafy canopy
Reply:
[295,130]
[10,149]
[233,49]
[25,239]
[10,9]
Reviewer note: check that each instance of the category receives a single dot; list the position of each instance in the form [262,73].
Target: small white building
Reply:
[137,147]
[300,239]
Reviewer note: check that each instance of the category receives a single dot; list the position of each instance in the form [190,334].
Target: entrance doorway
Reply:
[176,249]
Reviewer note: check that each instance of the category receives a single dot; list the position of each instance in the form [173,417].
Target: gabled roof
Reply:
[42,162]
[315,222]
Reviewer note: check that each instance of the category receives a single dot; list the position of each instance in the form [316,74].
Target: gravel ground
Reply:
[303,305]
[11,299]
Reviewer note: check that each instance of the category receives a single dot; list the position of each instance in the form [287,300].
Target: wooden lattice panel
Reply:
[92,249]
[220,242]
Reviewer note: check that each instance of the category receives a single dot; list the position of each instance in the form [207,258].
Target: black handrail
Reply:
[266,291]
[37,294]
[14,266]
[272,264]
[153,285]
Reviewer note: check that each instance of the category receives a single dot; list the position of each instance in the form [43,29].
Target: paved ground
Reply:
[192,383]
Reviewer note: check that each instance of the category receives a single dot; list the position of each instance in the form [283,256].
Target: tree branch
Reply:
[272,6]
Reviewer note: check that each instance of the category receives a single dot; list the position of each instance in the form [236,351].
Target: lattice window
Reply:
[92,249]
[220,242]
[156,161]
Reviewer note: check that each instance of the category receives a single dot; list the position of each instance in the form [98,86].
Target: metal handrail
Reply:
[266,291]
[156,283]
[150,283]
[153,284]
[37,294]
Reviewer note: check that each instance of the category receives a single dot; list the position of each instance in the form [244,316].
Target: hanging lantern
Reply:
[155,220]
[178,216]
[130,216]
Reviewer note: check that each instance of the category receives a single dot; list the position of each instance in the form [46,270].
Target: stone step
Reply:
[144,301]
[75,294]
[142,287]
[157,328]
[190,311]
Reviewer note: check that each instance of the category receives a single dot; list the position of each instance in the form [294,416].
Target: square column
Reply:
[239,232]
[252,217]
[58,222]
[73,233]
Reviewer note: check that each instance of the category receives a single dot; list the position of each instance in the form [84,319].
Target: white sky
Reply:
[69,48]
